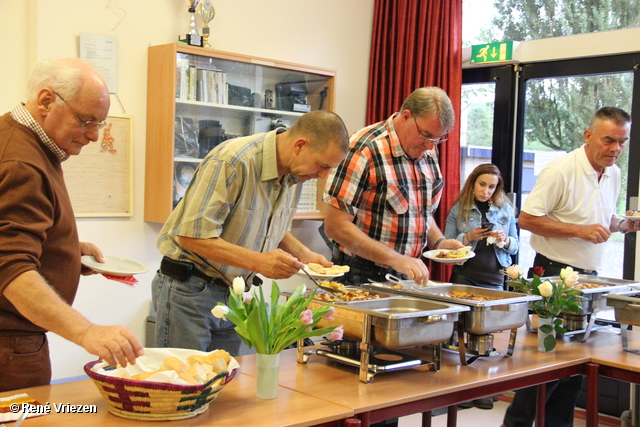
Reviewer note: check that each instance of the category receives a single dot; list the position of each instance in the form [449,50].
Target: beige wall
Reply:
[331,34]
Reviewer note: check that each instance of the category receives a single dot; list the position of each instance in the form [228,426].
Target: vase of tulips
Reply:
[272,327]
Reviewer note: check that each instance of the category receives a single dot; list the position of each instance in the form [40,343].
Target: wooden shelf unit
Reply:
[247,72]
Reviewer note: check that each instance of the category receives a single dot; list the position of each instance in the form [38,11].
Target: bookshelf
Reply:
[198,98]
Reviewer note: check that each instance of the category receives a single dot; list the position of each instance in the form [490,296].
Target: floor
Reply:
[479,418]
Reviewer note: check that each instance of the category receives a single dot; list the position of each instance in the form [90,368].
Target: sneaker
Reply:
[484,403]
[466,405]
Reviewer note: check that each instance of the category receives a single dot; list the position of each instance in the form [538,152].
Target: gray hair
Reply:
[64,76]
[427,101]
[322,127]
[615,114]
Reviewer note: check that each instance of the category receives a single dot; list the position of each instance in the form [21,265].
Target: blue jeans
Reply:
[184,318]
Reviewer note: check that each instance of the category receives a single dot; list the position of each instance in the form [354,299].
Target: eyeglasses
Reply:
[426,138]
[85,124]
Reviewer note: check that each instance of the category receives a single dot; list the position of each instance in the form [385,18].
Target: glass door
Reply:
[557,103]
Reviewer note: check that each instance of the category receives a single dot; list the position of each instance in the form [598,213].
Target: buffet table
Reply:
[322,392]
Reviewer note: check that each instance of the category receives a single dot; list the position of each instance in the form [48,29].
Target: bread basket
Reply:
[148,400]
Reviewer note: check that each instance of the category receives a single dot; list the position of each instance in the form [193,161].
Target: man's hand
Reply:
[413,268]
[594,233]
[90,249]
[114,344]
[278,264]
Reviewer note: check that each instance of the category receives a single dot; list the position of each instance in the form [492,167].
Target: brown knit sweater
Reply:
[37,225]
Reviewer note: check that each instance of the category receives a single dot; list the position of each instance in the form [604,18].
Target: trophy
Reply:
[192,37]
[207,13]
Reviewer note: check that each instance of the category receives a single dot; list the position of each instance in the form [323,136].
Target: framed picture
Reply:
[100,178]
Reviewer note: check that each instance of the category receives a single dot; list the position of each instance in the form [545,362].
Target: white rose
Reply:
[565,272]
[220,311]
[571,280]
[238,285]
[514,271]
[545,288]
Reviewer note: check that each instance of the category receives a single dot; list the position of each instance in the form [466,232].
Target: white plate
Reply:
[632,218]
[317,275]
[115,266]
[432,256]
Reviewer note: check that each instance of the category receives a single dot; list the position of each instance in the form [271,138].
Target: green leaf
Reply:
[549,342]
[545,328]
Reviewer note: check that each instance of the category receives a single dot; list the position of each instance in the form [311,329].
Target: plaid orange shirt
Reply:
[390,195]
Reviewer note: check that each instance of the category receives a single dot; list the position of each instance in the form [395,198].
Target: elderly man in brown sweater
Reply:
[40,251]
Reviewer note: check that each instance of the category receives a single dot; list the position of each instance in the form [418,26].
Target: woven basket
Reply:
[146,400]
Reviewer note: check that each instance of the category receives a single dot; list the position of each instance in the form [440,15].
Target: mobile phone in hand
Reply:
[488,225]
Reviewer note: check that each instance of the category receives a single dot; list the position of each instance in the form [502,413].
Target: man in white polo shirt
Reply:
[570,213]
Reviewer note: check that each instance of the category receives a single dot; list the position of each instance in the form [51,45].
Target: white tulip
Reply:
[220,311]
[238,285]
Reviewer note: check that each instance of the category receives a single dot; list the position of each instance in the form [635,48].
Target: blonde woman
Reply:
[484,219]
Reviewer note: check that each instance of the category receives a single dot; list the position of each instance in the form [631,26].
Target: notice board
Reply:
[100,178]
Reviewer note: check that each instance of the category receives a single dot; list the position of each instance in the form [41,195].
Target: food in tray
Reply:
[320,269]
[458,253]
[589,285]
[470,296]
[333,285]
[632,213]
[397,286]
[344,294]
[197,369]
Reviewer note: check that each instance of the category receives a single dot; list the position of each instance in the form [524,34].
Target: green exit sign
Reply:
[491,52]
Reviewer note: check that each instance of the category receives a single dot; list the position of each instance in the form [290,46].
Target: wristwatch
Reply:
[620,228]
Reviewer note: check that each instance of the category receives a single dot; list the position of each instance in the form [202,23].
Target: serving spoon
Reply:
[324,288]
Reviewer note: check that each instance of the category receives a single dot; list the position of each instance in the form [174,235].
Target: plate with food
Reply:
[114,266]
[632,215]
[318,271]
[450,256]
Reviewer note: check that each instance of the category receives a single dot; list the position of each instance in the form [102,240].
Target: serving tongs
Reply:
[337,293]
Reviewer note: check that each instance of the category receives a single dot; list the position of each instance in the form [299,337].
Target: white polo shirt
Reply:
[567,190]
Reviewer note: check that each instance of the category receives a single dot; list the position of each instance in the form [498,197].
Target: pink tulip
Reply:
[337,333]
[329,315]
[306,317]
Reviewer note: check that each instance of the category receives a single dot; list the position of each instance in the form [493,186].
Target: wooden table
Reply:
[322,392]
[400,393]
[236,406]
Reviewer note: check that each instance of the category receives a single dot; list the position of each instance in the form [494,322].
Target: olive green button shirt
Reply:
[236,195]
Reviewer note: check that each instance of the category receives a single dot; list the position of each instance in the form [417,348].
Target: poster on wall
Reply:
[100,179]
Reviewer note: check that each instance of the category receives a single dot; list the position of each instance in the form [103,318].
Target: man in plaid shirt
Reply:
[383,194]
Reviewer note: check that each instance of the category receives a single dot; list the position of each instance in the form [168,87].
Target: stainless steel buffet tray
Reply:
[593,300]
[395,322]
[627,312]
[501,311]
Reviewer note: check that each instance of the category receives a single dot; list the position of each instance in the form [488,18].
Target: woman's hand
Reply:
[477,233]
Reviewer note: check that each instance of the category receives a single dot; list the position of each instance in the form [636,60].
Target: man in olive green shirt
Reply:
[234,221]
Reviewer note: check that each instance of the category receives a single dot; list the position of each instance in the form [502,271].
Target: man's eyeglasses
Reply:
[426,138]
[85,124]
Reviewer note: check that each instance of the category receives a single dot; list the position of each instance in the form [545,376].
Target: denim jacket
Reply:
[502,218]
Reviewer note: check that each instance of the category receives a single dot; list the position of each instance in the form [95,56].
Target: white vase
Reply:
[267,377]
[542,336]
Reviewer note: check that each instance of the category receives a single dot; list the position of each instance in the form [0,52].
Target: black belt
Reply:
[182,270]
[543,259]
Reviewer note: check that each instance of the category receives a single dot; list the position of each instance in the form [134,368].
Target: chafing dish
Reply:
[393,322]
[499,312]
[593,301]
[627,312]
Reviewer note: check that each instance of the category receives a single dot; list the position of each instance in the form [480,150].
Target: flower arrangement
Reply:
[270,328]
[557,297]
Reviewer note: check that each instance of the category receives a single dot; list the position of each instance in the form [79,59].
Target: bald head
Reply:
[322,128]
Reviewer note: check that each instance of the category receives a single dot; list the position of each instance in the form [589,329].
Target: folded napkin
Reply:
[9,413]
[127,280]
[491,240]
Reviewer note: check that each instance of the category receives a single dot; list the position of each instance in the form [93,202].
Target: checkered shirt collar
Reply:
[22,116]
